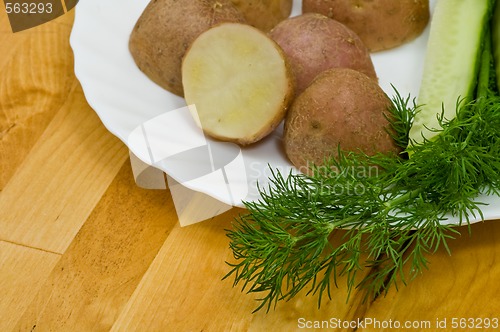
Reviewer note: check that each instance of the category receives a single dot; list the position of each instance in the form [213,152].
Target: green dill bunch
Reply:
[394,210]
[461,162]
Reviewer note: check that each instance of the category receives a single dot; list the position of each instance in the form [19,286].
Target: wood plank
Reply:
[22,273]
[60,182]
[103,265]
[463,285]
[37,77]
[183,291]
[9,42]
[183,283]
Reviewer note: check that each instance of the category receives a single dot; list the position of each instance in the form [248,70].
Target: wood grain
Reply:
[22,273]
[460,285]
[99,271]
[43,111]
[62,179]
[83,248]
[37,76]
[189,268]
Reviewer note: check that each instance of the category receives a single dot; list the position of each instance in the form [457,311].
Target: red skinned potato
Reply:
[381,24]
[341,108]
[314,43]
[264,14]
[165,30]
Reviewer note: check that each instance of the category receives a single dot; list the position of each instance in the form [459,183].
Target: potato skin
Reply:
[264,14]
[314,43]
[165,30]
[381,24]
[341,108]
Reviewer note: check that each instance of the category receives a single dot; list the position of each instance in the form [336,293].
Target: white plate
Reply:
[156,125]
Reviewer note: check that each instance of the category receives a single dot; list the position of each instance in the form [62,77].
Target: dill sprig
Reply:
[394,211]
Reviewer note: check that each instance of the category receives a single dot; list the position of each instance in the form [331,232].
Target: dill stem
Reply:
[389,205]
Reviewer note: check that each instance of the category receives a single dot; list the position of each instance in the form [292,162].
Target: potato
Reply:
[264,14]
[239,81]
[341,108]
[314,43]
[165,30]
[381,24]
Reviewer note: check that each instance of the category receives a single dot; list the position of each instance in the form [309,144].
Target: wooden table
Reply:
[82,248]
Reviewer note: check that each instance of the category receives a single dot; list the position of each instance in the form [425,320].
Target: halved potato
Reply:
[239,81]
[166,28]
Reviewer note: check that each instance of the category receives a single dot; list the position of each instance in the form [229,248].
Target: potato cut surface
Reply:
[239,82]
